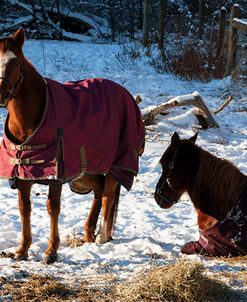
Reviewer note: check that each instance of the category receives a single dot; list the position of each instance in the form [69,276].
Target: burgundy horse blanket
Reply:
[227,237]
[92,126]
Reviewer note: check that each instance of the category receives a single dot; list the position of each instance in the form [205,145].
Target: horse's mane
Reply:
[218,185]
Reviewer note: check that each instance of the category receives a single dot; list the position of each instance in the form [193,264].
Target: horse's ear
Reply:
[19,36]
[194,137]
[175,138]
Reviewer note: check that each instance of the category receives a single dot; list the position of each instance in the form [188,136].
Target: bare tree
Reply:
[162,13]
[201,17]
[112,18]
[146,8]
[59,19]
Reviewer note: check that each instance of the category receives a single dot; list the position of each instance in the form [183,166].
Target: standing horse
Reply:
[88,133]
[217,189]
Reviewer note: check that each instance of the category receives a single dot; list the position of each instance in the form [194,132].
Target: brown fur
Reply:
[218,185]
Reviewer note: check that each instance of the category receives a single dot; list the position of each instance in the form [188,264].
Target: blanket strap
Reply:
[25,161]
[27,147]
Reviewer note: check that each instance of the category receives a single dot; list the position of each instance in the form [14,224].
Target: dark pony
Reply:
[88,133]
[218,191]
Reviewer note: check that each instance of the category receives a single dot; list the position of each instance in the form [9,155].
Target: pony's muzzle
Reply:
[161,200]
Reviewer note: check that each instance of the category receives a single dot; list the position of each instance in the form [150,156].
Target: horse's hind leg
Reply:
[53,208]
[108,200]
[113,215]
[24,189]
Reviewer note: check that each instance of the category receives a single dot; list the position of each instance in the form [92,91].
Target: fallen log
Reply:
[194,100]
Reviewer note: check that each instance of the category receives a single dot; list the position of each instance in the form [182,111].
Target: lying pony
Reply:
[218,191]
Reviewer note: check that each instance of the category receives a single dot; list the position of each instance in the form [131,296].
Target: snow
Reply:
[143,230]
[241,21]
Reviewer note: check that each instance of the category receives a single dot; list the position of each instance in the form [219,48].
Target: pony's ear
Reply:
[19,36]
[194,137]
[175,138]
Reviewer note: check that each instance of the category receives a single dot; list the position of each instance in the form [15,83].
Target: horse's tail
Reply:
[114,210]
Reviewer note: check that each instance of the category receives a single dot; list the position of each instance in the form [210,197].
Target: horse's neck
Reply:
[26,109]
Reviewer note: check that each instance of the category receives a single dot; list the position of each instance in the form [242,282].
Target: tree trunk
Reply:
[201,18]
[43,11]
[162,12]
[112,19]
[210,46]
[132,19]
[220,42]
[146,9]
[232,47]
[59,19]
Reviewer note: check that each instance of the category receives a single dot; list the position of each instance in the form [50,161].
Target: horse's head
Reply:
[11,65]
[176,173]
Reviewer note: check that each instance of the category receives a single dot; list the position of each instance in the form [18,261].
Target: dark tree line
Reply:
[124,18]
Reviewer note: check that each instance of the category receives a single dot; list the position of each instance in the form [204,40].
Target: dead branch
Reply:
[138,99]
[19,22]
[193,99]
[227,101]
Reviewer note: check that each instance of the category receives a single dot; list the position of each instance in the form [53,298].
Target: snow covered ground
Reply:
[144,231]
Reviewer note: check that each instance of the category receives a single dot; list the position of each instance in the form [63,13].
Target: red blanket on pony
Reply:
[227,237]
[90,126]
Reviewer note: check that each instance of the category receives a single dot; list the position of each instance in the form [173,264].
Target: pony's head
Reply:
[179,164]
[11,65]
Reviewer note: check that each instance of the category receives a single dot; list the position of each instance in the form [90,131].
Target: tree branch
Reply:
[227,101]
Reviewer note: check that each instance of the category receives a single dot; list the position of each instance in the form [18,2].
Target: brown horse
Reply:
[88,133]
[218,191]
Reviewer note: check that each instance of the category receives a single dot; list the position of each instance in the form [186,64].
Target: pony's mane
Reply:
[218,185]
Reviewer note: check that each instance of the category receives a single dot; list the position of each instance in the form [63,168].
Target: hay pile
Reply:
[36,288]
[180,282]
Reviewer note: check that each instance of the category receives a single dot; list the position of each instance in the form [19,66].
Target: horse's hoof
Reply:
[89,238]
[20,257]
[192,247]
[101,239]
[49,259]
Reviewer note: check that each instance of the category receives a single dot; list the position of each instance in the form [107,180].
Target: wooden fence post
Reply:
[146,7]
[232,47]
[220,42]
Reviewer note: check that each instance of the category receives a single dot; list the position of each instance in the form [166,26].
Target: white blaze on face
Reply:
[4,60]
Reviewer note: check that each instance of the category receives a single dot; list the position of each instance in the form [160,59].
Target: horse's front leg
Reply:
[205,221]
[96,183]
[108,200]
[53,208]
[91,223]
[24,189]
